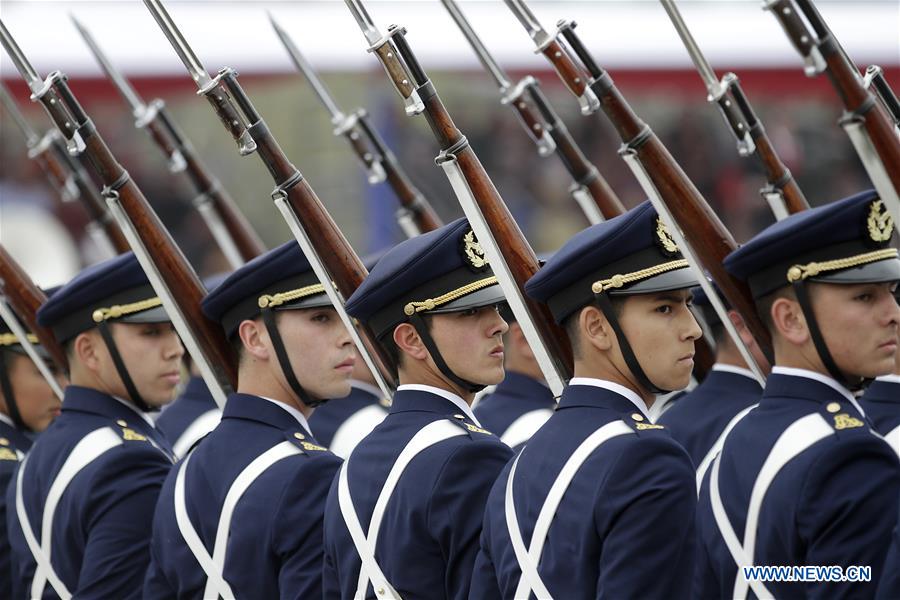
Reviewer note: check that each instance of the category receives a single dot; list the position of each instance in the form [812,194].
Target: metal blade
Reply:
[364,20]
[483,55]
[301,63]
[528,21]
[196,69]
[138,107]
[706,70]
[31,136]
[35,83]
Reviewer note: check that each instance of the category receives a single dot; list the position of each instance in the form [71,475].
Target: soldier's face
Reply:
[37,403]
[661,330]
[859,324]
[152,354]
[471,343]
[321,351]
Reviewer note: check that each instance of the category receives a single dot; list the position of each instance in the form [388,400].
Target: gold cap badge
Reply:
[664,239]
[879,223]
[473,253]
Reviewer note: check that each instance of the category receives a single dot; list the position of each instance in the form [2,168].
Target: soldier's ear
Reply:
[595,330]
[789,321]
[410,342]
[89,349]
[254,338]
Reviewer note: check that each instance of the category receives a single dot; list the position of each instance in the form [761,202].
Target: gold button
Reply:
[833,407]
[299,436]
[4,442]
[459,416]
[381,591]
[121,423]
[637,416]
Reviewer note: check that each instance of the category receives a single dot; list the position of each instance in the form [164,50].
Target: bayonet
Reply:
[384,47]
[35,83]
[31,137]
[495,70]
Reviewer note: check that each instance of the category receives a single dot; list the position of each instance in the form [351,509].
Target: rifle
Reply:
[511,257]
[171,275]
[233,234]
[17,288]
[69,179]
[874,80]
[416,214]
[26,298]
[782,192]
[871,131]
[323,244]
[593,194]
[701,236]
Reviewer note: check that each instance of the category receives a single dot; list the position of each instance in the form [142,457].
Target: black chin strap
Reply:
[284,361]
[132,390]
[6,387]
[631,360]
[802,293]
[422,328]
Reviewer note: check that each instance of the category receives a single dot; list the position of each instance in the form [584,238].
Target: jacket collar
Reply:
[732,381]
[883,390]
[261,410]
[15,438]
[599,393]
[800,384]
[524,387]
[422,398]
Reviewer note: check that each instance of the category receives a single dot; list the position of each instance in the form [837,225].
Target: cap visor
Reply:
[154,315]
[677,279]
[488,296]
[876,272]
[314,301]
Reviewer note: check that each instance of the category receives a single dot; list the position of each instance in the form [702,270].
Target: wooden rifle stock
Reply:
[170,139]
[777,174]
[343,265]
[26,298]
[516,251]
[410,197]
[701,227]
[176,272]
[858,102]
[576,163]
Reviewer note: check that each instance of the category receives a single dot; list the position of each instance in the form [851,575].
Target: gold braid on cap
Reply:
[270,300]
[412,308]
[798,272]
[120,310]
[618,280]
[10,339]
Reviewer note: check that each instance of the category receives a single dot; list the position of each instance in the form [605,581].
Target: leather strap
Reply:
[431,434]
[6,387]
[530,581]
[284,360]
[88,449]
[214,566]
[422,328]
[133,393]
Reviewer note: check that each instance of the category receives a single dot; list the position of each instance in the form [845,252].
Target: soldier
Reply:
[194,413]
[522,402]
[27,407]
[801,480]
[700,419]
[340,425]
[83,494]
[600,502]
[241,516]
[882,405]
[422,476]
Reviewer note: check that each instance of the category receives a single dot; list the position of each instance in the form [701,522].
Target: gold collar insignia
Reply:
[664,239]
[879,223]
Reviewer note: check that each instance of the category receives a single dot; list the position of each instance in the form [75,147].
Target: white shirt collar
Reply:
[134,409]
[366,387]
[889,378]
[7,420]
[456,400]
[291,411]
[614,387]
[733,369]
[829,381]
